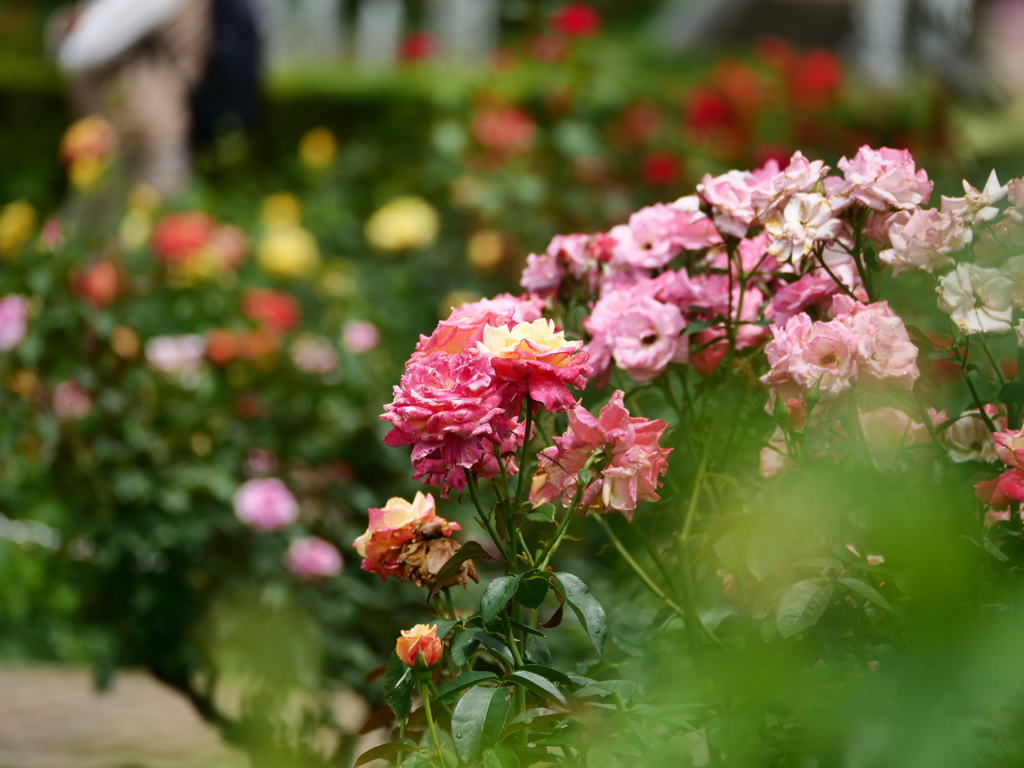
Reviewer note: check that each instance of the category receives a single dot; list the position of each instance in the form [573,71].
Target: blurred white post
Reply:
[379,27]
[881,32]
[319,29]
[467,29]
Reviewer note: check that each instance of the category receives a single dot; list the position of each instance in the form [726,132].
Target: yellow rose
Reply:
[318,148]
[83,174]
[288,252]
[144,199]
[281,210]
[485,249]
[507,342]
[17,223]
[404,223]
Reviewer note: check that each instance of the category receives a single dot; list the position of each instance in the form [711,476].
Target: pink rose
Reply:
[800,177]
[628,474]
[265,504]
[887,431]
[314,354]
[815,289]
[1010,447]
[968,438]
[13,321]
[176,354]
[923,239]
[70,401]
[360,336]
[394,525]
[881,344]
[883,178]
[1004,490]
[804,353]
[655,235]
[313,558]
[465,326]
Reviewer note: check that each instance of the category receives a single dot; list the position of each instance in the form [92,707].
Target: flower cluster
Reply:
[458,404]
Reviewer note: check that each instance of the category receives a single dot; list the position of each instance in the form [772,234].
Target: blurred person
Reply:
[166,73]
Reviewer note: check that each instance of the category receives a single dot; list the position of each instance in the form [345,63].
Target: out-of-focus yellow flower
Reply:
[318,148]
[135,229]
[282,209]
[144,199]
[125,342]
[468,192]
[204,265]
[337,280]
[89,138]
[453,299]
[288,252]
[23,382]
[83,174]
[485,249]
[403,223]
[17,223]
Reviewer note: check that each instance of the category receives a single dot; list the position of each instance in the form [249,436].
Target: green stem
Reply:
[992,360]
[425,692]
[836,280]
[448,602]
[511,639]
[485,518]
[970,386]
[562,528]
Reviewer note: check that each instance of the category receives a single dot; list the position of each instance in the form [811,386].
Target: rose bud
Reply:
[419,643]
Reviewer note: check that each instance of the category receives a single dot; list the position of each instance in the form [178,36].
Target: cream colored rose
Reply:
[538,336]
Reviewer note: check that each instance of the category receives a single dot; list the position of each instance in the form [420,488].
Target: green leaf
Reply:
[586,608]
[385,750]
[551,674]
[398,683]
[463,646]
[801,606]
[496,647]
[444,626]
[461,683]
[471,550]
[533,718]
[496,596]
[533,588]
[1011,392]
[478,720]
[545,513]
[993,550]
[865,590]
[539,685]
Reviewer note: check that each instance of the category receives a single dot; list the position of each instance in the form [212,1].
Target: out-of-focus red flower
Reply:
[178,236]
[639,123]
[576,20]
[660,169]
[503,60]
[258,344]
[741,86]
[777,54]
[548,48]
[509,131]
[276,310]
[417,46]
[248,405]
[98,283]
[816,81]
[222,346]
[705,109]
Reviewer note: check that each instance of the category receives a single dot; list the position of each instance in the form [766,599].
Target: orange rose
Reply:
[420,641]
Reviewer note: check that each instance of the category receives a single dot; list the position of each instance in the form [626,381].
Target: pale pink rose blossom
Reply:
[627,476]
[978,300]
[360,336]
[71,402]
[176,354]
[799,177]
[923,239]
[565,255]
[649,240]
[807,221]
[803,354]
[1015,196]
[543,274]
[313,558]
[13,321]
[816,289]
[1010,447]
[993,516]
[774,458]
[976,205]
[265,504]
[968,438]
[730,197]
[887,431]
[884,178]
[882,348]
[314,354]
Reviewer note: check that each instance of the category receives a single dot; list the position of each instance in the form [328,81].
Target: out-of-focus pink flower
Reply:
[889,430]
[313,558]
[882,348]
[507,131]
[993,516]
[804,353]
[884,178]
[875,559]
[278,311]
[452,410]
[360,336]
[923,239]
[178,236]
[576,20]
[630,461]
[806,221]
[537,356]
[394,525]
[176,354]
[419,646]
[969,438]
[1010,447]
[265,504]
[52,233]
[13,321]
[70,401]
[1004,490]
[314,354]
